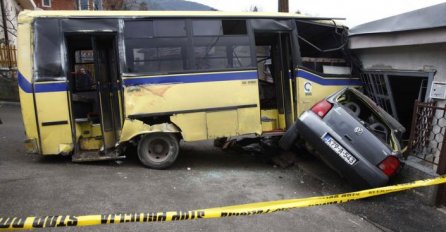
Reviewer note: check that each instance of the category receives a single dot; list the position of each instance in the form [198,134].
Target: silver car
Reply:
[352,135]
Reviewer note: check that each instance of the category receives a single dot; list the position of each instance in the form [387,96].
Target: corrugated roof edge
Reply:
[424,18]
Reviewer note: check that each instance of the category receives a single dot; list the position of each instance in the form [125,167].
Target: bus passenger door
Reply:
[95,105]
[107,86]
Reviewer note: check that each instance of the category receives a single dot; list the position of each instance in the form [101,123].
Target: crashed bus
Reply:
[92,83]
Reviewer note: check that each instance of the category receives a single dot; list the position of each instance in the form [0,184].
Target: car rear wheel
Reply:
[290,136]
[158,150]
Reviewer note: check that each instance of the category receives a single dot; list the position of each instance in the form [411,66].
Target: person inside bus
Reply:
[84,80]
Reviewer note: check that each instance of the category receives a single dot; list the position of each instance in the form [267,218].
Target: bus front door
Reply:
[274,62]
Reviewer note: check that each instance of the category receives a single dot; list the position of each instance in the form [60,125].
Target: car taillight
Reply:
[322,108]
[389,165]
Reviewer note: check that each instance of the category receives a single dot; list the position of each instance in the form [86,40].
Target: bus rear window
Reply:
[47,50]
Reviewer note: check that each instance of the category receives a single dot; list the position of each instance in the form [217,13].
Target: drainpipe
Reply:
[283,6]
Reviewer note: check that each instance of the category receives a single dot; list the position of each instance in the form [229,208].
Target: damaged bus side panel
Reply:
[105,80]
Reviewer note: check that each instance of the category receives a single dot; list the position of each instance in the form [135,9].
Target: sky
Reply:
[355,11]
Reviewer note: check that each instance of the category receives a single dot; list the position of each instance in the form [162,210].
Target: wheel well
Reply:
[152,120]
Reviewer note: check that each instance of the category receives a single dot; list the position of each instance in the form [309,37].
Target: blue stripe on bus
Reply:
[50,87]
[42,87]
[192,78]
[189,78]
[24,84]
[327,81]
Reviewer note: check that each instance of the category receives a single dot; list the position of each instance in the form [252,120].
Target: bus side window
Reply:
[156,46]
[220,44]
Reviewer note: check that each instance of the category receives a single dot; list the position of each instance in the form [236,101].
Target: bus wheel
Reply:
[158,150]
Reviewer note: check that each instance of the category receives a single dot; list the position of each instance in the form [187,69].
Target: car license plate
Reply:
[336,147]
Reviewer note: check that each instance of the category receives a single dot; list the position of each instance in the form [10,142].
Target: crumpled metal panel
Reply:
[134,127]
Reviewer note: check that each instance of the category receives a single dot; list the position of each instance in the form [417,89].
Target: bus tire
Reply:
[158,150]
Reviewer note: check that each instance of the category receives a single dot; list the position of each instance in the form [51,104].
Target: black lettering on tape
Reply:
[149,217]
[162,217]
[51,221]
[176,217]
[104,218]
[184,215]
[5,222]
[38,222]
[72,221]
[18,223]
[127,217]
[112,218]
[62,221]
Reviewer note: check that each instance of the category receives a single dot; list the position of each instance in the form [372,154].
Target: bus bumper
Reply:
[31,146]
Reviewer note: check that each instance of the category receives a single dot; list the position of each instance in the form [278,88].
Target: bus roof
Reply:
[27,15]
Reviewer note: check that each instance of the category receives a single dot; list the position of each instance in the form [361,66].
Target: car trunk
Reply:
[355,127]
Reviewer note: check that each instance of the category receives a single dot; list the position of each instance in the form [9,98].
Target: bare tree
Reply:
[8,24]
[120,4]
[143,6]
[254,8]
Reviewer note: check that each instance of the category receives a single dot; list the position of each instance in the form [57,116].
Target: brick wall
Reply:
[58,4]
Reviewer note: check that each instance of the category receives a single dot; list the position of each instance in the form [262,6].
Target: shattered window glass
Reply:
[221,52]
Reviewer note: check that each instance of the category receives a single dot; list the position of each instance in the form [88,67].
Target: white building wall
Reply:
[415,57]
[425,57]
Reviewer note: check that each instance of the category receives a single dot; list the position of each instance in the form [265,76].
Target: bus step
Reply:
[88,156]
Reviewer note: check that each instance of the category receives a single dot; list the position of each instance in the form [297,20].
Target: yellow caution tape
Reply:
[228,211]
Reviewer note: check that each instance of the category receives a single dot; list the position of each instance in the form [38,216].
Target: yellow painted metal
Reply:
[282,121]
[249,121]
[52,136]
[193,125]
[25,64]
[149,99]
[221,124]
[270,119]
[109,139]
[208,125]
[269,126]
[95,130]
[90,143]
[292,99]
[133,128]
[201,96]
[65,148]
[318,92]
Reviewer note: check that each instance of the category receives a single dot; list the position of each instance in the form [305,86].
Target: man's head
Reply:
[82,70]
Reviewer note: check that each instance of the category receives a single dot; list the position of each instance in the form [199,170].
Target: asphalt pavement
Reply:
[202,177]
